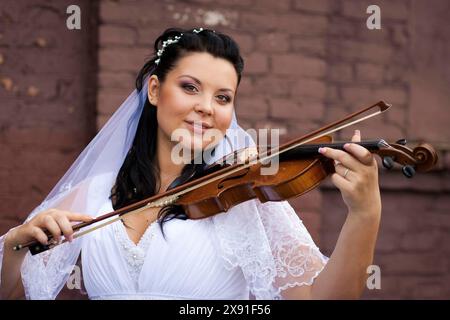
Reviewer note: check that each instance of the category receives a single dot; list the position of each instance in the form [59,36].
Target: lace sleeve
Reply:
[298,260]
[45,274]
[271,245]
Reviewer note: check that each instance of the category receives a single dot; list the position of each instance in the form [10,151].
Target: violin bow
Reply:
[170,196]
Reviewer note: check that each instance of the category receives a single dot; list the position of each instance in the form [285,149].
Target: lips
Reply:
[204,125]
[197,127]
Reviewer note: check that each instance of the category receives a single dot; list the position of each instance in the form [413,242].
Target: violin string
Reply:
[246,164]
[319,136]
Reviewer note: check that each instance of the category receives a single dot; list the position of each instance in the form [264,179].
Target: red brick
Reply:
[6,224]
[340,72]
[226,3]
[309,46]
[437,220]
[342,28]
[396,96]
[246,86]
[117,80]
[290,109]
[397,115]
[334,112]
[376,127]
[123,59]
[354,51]
[281,108]
[357,95]
[421,182]
[113,35]
[395,74]
[101,121]
[413,263]
[295,64]
[409,286]
[300,24]
[333,94]
[273,6]
[388,241]
[306,88]
[110,100]
[135,12]
[400,35]
[311,220]
[147,35]
[313,6]
[213,18]
[246,42]
[275,86]
[378,36]
[442,201]
[256,63]
[370,73]
[311,201]
[251,108]
[421,241]
[263,22]
[273,42]
[431,125]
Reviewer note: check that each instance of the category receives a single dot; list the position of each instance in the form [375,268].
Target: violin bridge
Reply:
[163,201]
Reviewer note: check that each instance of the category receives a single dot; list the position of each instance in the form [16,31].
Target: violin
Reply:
[301,168]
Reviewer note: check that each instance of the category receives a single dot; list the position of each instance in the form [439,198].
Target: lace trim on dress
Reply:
[147,296]
[271,245]
[134,254]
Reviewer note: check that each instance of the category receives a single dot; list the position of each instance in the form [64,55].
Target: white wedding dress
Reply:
[184,266]
[188,264]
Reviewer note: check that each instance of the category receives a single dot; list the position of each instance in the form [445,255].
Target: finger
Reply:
[39,235]
[340,156]
[341,183]
[65,226]
[359,152]
[51,225]
[74,216]
[356,136]
[342,171]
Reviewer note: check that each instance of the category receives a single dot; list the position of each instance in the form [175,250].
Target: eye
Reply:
[225,99]
[189,87]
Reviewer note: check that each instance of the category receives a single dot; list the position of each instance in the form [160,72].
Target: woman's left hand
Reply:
[356,177]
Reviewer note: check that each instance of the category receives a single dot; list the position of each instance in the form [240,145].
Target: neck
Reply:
[168,170]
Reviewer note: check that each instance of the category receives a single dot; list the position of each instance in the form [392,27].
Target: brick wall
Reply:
[306,63]
[404,63]
[47,92]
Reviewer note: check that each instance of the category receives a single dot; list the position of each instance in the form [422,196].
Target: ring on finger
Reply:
[346,172]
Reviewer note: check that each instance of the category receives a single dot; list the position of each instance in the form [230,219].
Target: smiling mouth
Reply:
[197,127]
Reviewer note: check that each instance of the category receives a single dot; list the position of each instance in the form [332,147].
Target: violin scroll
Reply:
[421,159]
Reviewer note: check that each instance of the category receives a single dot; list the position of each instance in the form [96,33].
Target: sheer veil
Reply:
[266,240]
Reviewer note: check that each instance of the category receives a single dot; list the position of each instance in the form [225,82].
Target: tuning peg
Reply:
[408,171]
[401,141]
[388,162]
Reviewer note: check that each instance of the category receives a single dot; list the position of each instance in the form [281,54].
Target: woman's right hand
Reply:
[56,221]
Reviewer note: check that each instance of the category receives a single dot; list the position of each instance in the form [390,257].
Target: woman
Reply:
[254,250]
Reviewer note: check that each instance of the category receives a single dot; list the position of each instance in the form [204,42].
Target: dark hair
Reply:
[138,178]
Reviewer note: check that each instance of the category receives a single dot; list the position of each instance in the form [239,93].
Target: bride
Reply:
[255,250]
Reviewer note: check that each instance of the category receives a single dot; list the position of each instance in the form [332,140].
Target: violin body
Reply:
[294,178]
[301,168]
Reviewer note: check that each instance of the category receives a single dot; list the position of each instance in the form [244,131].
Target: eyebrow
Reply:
[199,82]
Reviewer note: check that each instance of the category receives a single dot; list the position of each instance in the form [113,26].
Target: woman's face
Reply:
[197,98]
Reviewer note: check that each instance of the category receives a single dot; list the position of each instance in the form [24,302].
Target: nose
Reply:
[204,106]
